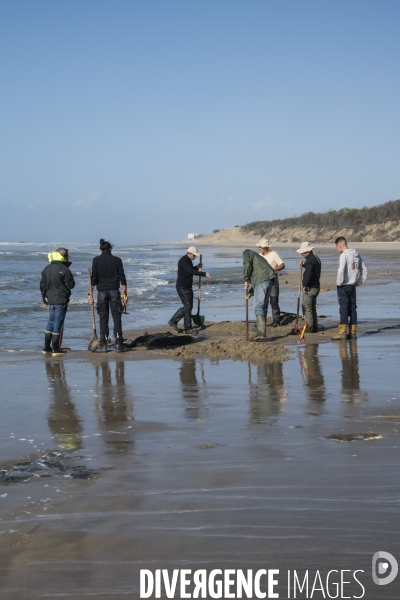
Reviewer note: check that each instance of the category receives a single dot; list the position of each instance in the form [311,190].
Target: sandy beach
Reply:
[143,460]
[216,454]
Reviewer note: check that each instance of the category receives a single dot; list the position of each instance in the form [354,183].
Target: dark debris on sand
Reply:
[353,437]
[159,340]
[48,465]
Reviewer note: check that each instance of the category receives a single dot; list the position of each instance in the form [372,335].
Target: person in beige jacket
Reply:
[277,264]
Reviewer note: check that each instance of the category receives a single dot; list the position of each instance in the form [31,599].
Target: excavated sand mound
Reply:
[234,348]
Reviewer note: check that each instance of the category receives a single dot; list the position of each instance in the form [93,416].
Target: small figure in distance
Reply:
[184,287]
[55,285]
[108,274]
[352,272]
[311,285]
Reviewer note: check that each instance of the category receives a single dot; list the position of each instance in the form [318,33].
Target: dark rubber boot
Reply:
[261,330]
[47,342]
[275,322]
[174,326]
[55,340]
[120,344]
[102,347]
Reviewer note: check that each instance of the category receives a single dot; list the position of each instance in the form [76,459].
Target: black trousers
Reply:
[274,299]
[105,300]
[186,296]
[347,304]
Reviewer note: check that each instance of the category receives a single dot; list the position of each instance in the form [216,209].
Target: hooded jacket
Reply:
[256,269]
[57,280]
[352,269]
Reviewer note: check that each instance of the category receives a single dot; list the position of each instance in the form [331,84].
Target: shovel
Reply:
[247,320]
[94,342]
[297,330]
[61,338]
[199,319]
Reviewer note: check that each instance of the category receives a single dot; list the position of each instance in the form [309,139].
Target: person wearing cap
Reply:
[184,287]
[258,279]
[311,285]
[56,284]
[277,264]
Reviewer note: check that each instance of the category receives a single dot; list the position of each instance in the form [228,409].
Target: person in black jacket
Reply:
[56,285]
[107,275]
[311,286]
[184,287]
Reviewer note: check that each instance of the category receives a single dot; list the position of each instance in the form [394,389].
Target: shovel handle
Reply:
[299,294]
[91,305]
[247,319]
[199,288]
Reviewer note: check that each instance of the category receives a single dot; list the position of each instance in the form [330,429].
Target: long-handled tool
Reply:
[302,333]
[199,319]
[61,338]
[94,342]
[297,330]
[247,319]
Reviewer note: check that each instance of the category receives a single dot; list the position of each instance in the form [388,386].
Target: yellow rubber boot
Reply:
[353,332]
[341,334]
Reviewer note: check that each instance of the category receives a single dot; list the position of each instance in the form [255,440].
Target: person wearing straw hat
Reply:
[184,287]
[311,285]
[277,264]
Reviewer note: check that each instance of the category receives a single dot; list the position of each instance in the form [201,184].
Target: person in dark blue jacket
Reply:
[184,287]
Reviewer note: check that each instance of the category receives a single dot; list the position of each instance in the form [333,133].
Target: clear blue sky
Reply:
[144,120]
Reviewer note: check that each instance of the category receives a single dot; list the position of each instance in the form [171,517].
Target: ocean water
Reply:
[151,275]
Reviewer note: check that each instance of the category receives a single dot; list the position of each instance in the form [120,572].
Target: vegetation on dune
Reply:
[356,218]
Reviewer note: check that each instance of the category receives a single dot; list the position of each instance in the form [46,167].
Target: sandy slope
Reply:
[383,232]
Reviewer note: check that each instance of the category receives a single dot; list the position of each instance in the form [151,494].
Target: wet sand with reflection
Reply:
[200,464]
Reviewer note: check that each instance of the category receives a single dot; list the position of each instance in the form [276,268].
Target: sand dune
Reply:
[388,231]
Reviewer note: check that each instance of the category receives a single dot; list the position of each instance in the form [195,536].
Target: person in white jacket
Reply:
[351,273]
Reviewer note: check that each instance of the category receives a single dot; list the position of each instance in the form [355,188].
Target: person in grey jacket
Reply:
[352,272]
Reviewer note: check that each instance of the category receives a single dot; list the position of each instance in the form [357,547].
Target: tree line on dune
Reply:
[356,218]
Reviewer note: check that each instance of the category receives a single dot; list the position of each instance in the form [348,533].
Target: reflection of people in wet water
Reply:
[350,372]
[268,396]
[114,409]
[312,373]
[62,418]
[195,407]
